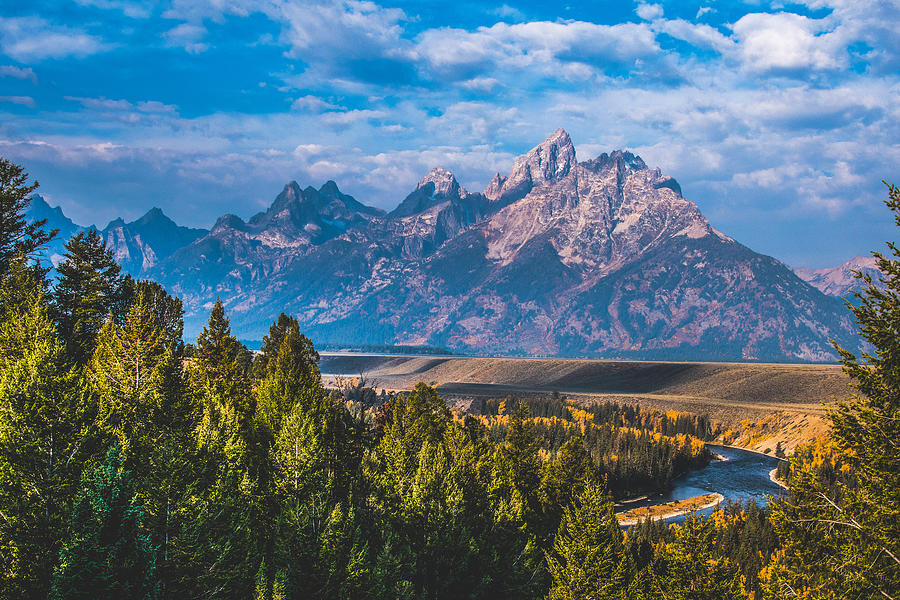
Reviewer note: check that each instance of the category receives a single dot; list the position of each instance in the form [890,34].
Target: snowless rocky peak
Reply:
[290,194]
[445,184]
[548,162]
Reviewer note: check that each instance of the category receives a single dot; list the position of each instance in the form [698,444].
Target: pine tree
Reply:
[589,559]
[226,496]
[144,406]
[107,554]
[843,541]
[570,472]
[271,345]
[519,534]
[219,372]
[124,372]
[17,236]
[289,374]
[87,292]
[167,310]
[46,439]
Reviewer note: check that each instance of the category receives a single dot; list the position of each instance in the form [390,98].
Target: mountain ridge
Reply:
[603,257]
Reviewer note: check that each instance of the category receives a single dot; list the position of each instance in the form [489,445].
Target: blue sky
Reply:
[779,120]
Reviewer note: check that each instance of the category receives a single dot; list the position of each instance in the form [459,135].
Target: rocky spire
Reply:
[444,181]
[548,162]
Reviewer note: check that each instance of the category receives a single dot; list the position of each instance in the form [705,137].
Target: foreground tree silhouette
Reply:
[107,555]
[17,236]
[844,541]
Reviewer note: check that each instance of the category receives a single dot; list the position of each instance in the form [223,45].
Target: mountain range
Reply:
[138,246]
[602,258]
[840,280]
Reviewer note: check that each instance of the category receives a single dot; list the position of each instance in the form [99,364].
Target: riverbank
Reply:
[660,512]
[773,477]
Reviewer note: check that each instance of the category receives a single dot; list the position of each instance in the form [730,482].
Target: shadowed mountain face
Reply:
[137,246]
[598,258]
[140,245]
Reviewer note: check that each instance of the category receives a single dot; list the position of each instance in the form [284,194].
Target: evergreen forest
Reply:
[135,466]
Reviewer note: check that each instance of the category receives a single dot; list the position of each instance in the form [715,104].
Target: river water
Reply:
[743,475]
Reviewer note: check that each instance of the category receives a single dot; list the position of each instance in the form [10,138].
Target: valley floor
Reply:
[758,405]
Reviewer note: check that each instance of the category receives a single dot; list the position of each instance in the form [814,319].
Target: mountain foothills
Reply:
[603,257]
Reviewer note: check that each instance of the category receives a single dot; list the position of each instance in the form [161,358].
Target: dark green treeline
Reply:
[130,468]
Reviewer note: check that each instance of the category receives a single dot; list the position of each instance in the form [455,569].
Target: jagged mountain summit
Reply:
[597,258]
[839,280]
[138,246]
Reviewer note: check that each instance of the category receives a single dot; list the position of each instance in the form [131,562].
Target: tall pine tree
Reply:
[589,559]
[87,292]
[17,236]
[46,435]
[843,541]
[226,493]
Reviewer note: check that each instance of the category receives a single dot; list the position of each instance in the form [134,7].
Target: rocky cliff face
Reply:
[39,209]
[140,245]
[599,258]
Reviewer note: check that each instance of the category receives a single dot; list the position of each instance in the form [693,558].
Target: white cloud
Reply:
[698,35]
[33,38]
[130,8]
[506,11]
[188,36]
[313,104]
[21,100]
[649,12]
[147,106]
[787,42]
[18,73]
[555,49]
[484,85]
[351,116]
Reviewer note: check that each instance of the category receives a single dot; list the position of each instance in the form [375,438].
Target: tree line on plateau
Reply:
[132,466]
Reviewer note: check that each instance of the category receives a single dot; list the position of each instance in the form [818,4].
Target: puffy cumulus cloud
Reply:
[18,73]
[457,53]
[788,43]
[33,39]
[648,12]
[868,28]
[336,39]
[552,48]
[483,85]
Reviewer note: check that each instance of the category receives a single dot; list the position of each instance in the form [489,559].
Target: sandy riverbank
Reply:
[775,480]
[670,509]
